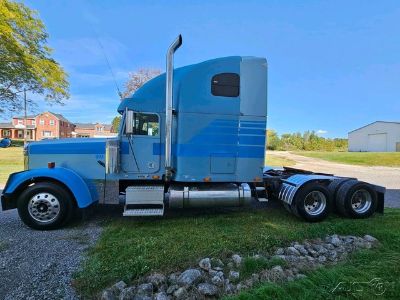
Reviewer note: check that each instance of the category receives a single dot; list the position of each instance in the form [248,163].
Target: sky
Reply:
[333,66]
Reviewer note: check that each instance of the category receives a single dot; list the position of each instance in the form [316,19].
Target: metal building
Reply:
[379,136]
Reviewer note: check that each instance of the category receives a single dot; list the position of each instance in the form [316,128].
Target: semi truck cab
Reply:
[191,137]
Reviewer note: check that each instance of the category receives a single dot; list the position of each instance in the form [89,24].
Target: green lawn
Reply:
[11,160]
[388,159]
[131,248]
[277,161]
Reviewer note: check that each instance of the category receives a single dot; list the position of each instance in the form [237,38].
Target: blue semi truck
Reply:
[192,137]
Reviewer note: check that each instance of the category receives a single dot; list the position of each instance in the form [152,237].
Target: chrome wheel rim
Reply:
[44,207]
[361,201]
[315,203]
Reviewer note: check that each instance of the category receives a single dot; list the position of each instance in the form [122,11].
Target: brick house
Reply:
[98,130]
[44,125]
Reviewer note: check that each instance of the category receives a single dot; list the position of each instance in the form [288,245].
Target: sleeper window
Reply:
[225,85]
[145,124]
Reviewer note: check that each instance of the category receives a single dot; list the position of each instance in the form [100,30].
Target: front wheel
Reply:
[45,206]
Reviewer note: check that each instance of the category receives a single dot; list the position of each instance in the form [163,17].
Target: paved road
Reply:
[384,176]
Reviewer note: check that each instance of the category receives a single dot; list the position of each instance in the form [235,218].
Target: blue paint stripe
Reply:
[68,148]
[251,140]
[252,131]
[190,150]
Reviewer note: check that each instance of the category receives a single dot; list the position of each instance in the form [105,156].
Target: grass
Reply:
[130,248]
[277,161]
[11,160]
[388,159]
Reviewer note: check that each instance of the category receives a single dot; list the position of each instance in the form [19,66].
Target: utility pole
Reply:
[25,122]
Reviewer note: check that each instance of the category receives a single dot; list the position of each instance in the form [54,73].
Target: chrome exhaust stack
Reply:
[168,105]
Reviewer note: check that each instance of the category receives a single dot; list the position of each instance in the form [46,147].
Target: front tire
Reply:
[45,206]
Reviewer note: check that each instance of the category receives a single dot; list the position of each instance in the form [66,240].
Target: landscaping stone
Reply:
[292,251]
[209,279]
[207,289]
[144,290]
[205,264]
[216,263]
[157,279]
[237,259]
[189,277]
[127,293]
[181,294]
[233,276]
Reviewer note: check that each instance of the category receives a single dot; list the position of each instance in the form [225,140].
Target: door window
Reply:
[145,124]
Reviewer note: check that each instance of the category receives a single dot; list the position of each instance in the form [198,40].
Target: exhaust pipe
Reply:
[168,104]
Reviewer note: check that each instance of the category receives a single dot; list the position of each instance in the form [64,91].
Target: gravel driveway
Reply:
[384,176]
[39,264]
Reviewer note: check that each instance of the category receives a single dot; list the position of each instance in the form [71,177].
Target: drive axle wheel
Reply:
[45,205]
[312,202]
[356,199]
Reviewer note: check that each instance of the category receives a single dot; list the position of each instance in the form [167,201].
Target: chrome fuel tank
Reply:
[216,195]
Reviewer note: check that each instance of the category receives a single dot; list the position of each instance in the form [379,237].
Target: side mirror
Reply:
[129,122]
[5,143]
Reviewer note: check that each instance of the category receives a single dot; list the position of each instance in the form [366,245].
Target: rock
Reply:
[119,286]
[216,263]
[181,294]
[276,273]
[280,251]
[127,293]
[334,240]
[205,264]
[322,259]
[157,279]
[370,238]
[218,281]
[237,259]
[319,248]
[230,265]
[300,276]
[161,296]
[108,294]
[218,269]
[301,249]
[207,289]
[144,290]
[233,276]
[255,277]
[173,278]
[172,288]
[189,277]
[229,288]
[292,251]
[332,255]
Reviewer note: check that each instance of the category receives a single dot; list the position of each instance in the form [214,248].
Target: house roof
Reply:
[23,117]
[92,126]
[374,123]
[11,126]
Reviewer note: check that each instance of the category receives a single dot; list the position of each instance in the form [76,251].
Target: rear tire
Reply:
[356,199]
[312,202]
[45,206]
[333,188]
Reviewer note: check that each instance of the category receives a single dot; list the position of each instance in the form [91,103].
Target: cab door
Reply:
[140,151]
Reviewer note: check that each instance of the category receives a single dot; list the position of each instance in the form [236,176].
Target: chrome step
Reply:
[137,212]
[262,199]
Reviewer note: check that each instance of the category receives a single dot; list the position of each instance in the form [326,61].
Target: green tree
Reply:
[115,123]
[25,58]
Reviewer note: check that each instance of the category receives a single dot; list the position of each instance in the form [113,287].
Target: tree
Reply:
[25,58]
[137,79]
[115,123]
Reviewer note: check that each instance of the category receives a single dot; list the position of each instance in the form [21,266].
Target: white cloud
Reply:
[321,132]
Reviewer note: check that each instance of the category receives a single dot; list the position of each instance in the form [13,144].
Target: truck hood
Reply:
[68,146]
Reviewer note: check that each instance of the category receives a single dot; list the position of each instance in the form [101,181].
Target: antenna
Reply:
[108,62]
